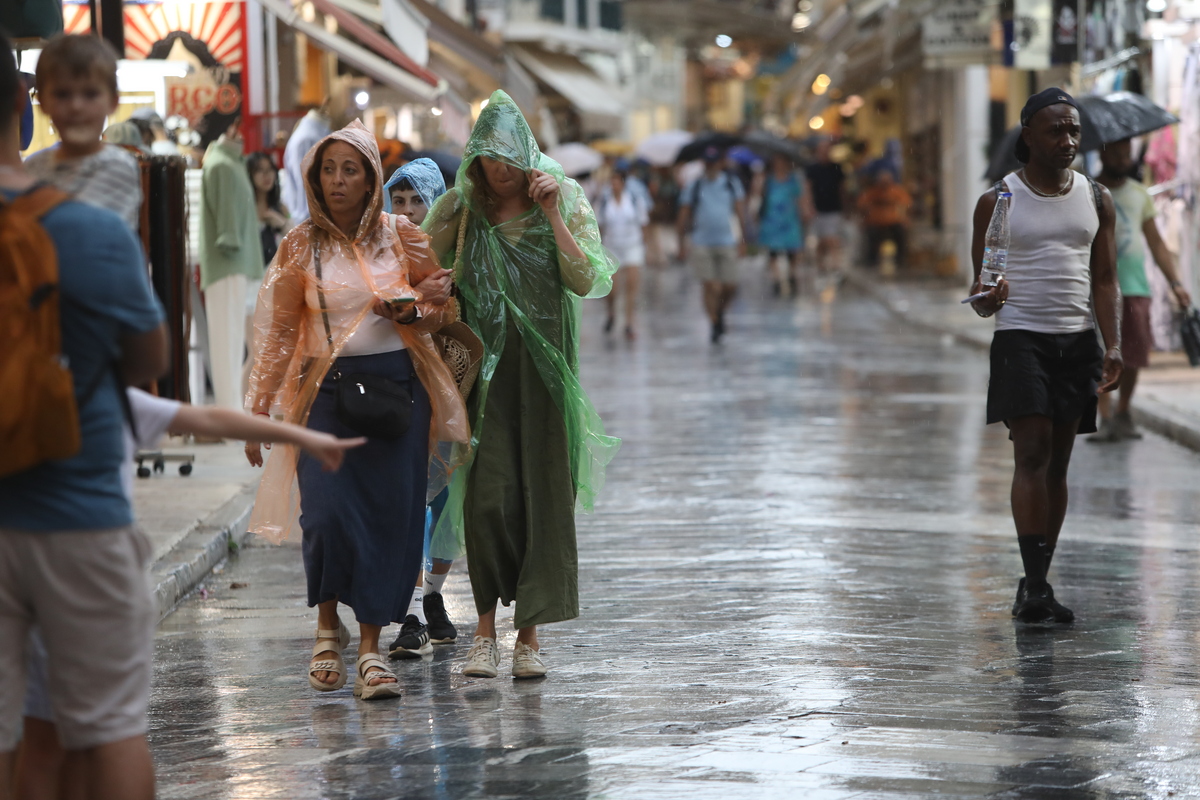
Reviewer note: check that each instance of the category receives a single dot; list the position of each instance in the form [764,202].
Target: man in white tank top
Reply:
[1046,365]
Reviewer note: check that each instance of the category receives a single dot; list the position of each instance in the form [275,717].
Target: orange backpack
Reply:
[39,419]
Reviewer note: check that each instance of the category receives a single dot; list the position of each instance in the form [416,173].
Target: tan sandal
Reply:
[377,691]
[340,639]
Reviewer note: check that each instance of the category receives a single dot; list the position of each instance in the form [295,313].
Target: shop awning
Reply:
[578,84]
[356,55]
[374,40]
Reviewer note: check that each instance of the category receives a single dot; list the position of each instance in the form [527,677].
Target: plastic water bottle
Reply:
[995,243]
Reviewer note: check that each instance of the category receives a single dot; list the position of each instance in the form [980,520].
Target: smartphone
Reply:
[401,302]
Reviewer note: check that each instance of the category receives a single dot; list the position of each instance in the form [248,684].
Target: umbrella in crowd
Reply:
[744,156]
[446,163]
[661,149]
[766,145]
[576,158]
[696,148]
[1104,120]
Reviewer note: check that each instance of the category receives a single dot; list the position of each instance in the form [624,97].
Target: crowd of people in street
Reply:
[414,372]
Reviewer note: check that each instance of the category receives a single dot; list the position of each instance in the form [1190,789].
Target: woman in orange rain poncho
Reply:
[321,318]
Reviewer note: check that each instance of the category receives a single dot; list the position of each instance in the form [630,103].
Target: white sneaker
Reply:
[527,662]
[482,659]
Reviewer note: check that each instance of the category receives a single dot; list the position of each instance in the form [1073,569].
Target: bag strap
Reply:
[320,291]
[1097,198]
[38,201]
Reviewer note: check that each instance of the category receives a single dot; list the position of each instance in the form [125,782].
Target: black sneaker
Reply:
[413,641]
[441,629]
[1020,597]
[1040,606]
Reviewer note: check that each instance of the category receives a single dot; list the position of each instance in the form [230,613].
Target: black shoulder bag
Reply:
[370,405]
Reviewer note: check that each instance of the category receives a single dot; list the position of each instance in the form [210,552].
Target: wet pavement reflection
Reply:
[797,584]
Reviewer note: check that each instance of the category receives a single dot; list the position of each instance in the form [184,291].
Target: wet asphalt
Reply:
[796,584]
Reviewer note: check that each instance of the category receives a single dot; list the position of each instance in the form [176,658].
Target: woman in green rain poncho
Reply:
[523,243]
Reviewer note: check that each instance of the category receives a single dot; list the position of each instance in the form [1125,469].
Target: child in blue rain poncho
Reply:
[523,243]
[411,192]
[413,189]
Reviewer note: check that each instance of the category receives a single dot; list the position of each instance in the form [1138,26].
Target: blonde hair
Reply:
[77,55]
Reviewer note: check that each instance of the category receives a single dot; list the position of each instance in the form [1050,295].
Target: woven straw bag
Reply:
[460,348]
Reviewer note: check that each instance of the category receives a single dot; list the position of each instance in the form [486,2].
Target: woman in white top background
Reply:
[623,217]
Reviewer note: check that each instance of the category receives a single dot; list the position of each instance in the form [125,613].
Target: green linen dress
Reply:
[539,447]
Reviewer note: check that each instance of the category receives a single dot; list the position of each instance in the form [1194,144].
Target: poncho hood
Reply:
[357,136]
[425,178]
[502,133]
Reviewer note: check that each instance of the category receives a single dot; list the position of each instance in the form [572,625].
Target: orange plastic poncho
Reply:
[292,351]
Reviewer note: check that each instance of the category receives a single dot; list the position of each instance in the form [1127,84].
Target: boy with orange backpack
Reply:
[71,561]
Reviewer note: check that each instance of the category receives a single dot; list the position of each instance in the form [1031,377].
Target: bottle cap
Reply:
[1006,194]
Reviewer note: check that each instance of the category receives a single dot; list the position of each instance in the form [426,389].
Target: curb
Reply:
[205,546]
[1165,420]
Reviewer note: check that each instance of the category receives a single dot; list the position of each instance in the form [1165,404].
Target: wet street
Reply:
[797,584]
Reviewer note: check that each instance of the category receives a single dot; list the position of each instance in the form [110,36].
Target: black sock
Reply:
[1034,557]
[1049,556]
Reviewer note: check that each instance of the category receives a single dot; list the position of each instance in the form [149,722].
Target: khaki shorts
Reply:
[89,594]
[715,264]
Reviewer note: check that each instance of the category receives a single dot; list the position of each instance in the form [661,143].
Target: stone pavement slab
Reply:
[1168,392]
[193,520]
[796,584]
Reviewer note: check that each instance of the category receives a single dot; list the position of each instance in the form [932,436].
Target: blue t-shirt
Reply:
[712,217]
[104,293]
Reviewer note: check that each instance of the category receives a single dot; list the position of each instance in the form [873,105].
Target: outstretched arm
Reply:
[1106,295]
[1166,261]
[227,423]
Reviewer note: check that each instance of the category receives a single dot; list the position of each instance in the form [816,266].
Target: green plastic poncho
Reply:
[515,270]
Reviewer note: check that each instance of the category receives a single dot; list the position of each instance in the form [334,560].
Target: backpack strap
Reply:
[38,201]
[1097,197]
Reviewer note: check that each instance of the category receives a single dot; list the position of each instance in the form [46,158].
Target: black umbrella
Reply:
[1104,120]
[766,145]
[447,163]
[695,149]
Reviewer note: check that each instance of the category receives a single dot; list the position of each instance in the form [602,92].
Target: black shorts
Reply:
[1049,374]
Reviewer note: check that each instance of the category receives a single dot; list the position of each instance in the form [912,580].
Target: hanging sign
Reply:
[1064,47]
[958,32]
[1032,36]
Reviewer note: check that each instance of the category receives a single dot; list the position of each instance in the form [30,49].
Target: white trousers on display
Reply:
[225,307]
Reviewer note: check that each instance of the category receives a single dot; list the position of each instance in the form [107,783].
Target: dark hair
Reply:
[402,185]
[10,82]
[78,55]
[314,172]
[485,198]
[1020,149]
[252,162]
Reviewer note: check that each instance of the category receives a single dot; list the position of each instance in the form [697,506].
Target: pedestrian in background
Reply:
[828,184]
[885,205]
[786,204]
[1046,365]
[708,207]
[274,220]
[326,329]
[71,561]
[530,249]
[624,218]
[1135,222]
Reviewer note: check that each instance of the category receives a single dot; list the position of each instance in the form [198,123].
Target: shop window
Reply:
[553,9]
[610,15]
[581,13]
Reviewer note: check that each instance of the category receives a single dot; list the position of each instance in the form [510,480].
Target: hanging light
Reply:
[800,21]
[362,98]
[816,123]
[437,112]
[1156,6]
[724,40]
[821,84]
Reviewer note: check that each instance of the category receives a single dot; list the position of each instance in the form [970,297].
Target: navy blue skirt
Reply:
[364,525]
